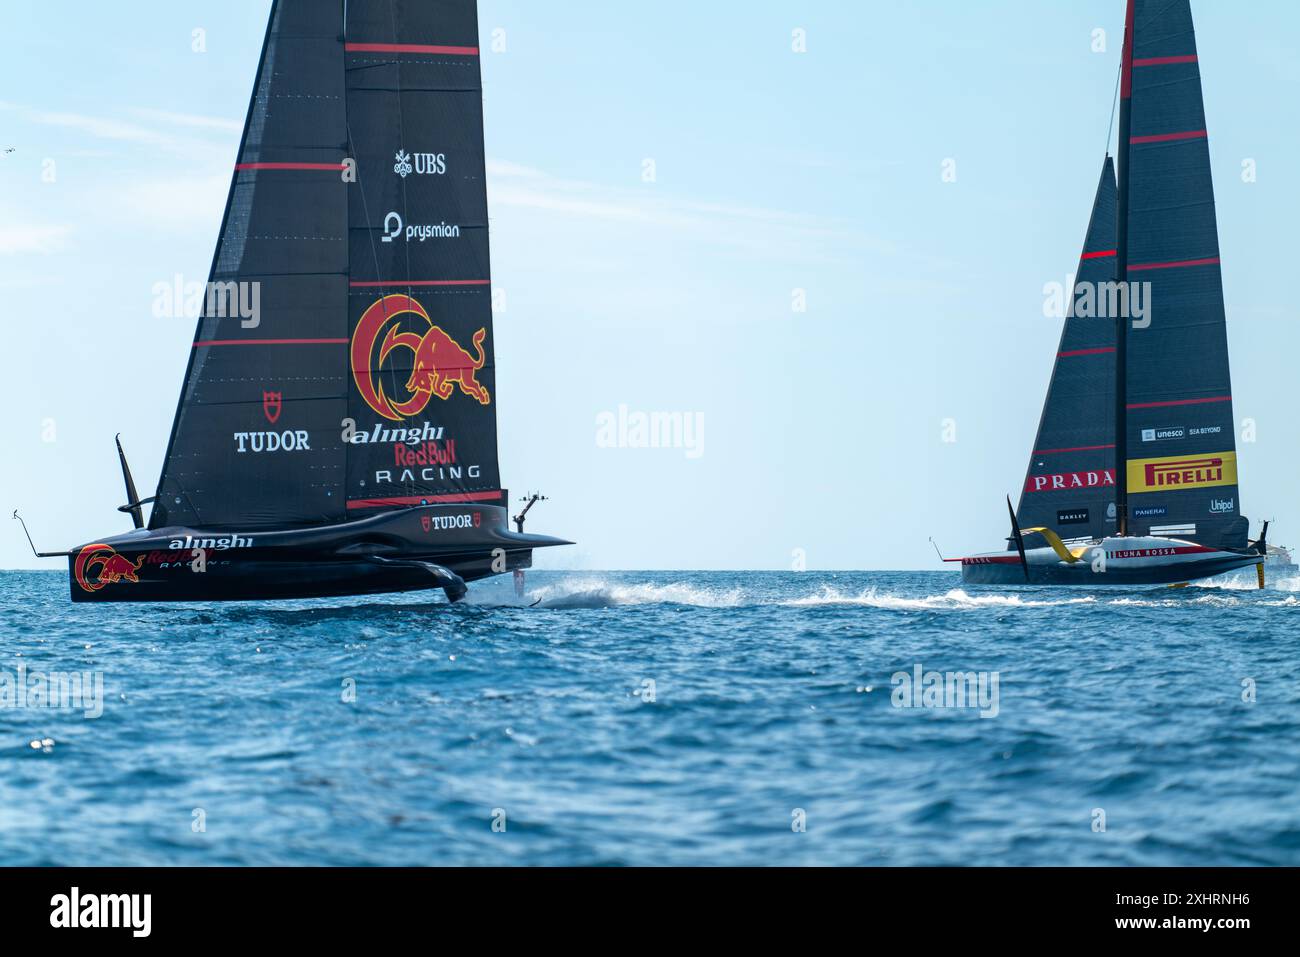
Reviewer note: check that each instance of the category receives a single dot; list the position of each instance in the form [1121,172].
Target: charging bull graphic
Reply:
[99,565]
[441,363]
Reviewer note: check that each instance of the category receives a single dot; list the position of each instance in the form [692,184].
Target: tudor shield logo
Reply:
[1175,472]
[272,402]
[440,366]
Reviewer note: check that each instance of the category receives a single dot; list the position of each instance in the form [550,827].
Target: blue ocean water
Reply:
[658,718]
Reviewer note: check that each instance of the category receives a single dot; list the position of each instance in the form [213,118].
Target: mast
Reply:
[1121,274]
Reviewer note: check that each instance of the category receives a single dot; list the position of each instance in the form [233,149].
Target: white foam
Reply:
[956,599]
[601,593]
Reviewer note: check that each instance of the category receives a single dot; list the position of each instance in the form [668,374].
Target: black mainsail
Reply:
[357,221]
[1181,475]
[1070,483]
[336,430]
[419,292]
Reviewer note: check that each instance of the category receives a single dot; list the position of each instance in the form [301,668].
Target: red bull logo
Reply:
[441,365]
[99,565]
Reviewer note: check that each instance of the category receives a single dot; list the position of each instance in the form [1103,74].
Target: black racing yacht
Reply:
[336,430]
[1133,475]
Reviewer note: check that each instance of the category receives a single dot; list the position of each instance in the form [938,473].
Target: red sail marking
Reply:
[1159,405]
[1178,264]
[270,342]
[1167,137]
[1085,352]
[328,166]
[408,48]
[1100,254]
[421,282]
[425,499]
[1165,60]
[1078,448]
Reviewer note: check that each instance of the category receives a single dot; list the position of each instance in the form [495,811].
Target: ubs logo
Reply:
[422,164]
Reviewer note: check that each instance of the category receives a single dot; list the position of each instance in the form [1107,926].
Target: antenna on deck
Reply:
[33,544]
[532,499]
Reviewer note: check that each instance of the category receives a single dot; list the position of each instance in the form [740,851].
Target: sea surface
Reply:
[658,718]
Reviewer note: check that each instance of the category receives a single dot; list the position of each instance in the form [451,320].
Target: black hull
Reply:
[431,546]
[1082,574]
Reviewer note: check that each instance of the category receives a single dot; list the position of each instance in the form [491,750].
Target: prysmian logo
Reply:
[103,910]
[1159,435]
[393,229]
[946,689]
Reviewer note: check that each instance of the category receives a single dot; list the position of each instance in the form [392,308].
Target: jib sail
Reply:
[1070,483]
[343,361]
[1181,452]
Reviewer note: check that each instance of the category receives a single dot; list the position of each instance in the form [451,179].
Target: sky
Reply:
[734,211]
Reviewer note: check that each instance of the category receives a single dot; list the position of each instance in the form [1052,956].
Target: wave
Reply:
[600,593]
[956,599]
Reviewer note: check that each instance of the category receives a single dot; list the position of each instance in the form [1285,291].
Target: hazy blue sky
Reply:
[775,171]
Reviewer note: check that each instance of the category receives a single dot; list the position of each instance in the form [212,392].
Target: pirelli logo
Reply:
[1175,472]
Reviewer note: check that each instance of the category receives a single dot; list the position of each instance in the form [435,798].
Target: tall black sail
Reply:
[256,441]
[423,401]
[1181,451]
[1070,483]
[357,224]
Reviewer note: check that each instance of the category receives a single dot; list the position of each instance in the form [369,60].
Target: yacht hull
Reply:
[1113,561]
[431,546]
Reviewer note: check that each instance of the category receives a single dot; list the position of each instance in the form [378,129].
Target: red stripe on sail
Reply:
[1078,448]
[270,342]
[1085,352]
[329,166]
[409,48]
[421,282]
[1166,137]
[1177,264]
[1165,60]
[1100,254]
[1158,405]
[425,499]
